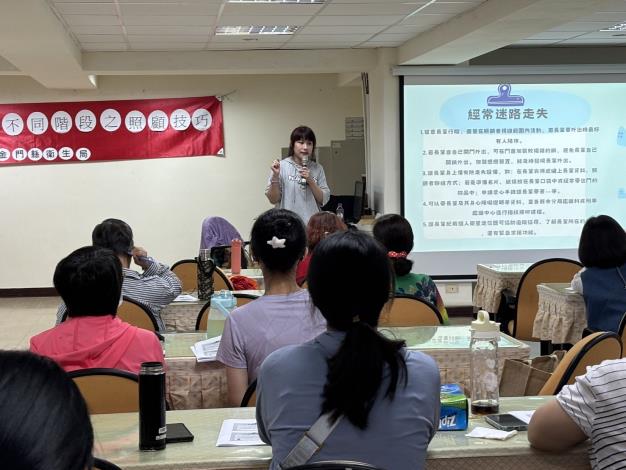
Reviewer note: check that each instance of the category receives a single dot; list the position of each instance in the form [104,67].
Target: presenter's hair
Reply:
[395,233]
[115,235]
[355,372]
[284,225]
[302,133]
[89,280]
[320,226]
[602,243]
[44,423]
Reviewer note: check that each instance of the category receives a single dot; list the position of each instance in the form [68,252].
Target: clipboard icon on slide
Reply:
[621,137]
[505,98]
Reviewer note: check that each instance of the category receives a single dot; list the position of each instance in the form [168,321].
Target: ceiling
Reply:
[68,43]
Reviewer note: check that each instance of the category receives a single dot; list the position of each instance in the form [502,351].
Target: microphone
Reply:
[305,164]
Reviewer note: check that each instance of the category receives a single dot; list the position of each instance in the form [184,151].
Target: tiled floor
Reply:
[23,317]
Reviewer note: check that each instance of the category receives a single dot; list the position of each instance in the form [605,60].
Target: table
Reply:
[449,346]
[203,385]
[117,437]
[182,316]
[492,279]
[191,384]
[561,315]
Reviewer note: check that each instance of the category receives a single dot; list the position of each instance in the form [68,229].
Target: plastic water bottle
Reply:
[224,301]
[484,365]
[339,211]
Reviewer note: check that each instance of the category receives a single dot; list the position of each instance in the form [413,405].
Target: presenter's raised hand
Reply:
[275,169]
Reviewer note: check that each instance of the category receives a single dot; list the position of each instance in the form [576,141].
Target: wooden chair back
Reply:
[249,398]
[101,464]
[108,390]
[589,351]
[408,310]
[187,271]
[137,315]
[621,331]
[527,298]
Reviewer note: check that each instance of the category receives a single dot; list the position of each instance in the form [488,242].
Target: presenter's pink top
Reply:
[98,341]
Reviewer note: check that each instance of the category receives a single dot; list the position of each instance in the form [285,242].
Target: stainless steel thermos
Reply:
[152,427]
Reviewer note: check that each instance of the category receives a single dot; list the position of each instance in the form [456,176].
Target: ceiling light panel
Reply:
[300,2]
[255,29]
[616,27]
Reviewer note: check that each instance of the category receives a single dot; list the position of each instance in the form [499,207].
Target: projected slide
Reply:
[512,166]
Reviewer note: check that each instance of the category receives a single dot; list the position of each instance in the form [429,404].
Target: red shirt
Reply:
[98,341]
[303,269]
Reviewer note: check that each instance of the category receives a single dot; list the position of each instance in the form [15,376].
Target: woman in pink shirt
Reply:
[90,282]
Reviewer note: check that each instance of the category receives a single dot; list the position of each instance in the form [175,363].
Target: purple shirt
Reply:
[256,329]
[217,231]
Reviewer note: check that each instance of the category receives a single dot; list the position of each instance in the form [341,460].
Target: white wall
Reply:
[49,210]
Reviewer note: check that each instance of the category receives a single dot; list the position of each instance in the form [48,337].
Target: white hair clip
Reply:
[276,242]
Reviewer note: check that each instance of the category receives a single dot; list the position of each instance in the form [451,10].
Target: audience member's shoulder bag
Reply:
[310,442]
[526,378]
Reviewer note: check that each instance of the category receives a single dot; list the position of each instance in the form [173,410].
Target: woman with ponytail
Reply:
[395,233]
[385,398]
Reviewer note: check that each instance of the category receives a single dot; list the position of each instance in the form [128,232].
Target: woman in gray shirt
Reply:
[387,397]
[298,182]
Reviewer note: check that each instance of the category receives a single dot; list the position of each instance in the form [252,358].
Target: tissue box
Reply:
[453,415]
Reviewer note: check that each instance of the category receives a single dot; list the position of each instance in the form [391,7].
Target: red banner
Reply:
[92,131]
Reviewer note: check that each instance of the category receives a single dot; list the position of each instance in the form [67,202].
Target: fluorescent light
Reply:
[246,30]
[616,27]
[301,2]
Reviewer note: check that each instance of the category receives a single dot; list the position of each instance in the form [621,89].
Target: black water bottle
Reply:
[152,428]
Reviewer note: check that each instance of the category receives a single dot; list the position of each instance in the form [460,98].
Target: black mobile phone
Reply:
[178,432]
[506,422]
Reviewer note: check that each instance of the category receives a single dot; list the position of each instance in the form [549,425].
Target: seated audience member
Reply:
[89,281]
[44,423]
[386,396]
[602,281]
[283,316]
[591,408]
[395,233]
[155,288]
[217,231]
[319,227]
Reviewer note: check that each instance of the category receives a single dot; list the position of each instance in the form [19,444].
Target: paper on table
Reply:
[523,415]
[186,298]
[239,432]
[206,350]
[489,433]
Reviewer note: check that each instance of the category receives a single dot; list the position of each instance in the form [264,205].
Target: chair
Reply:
[107,390]
[589,351]
[335,465]
[249,398]
[187,271]
[527,298]
[408,310]
[101,464]
[201,321]
[137,315]
[621,331]
[221,281]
